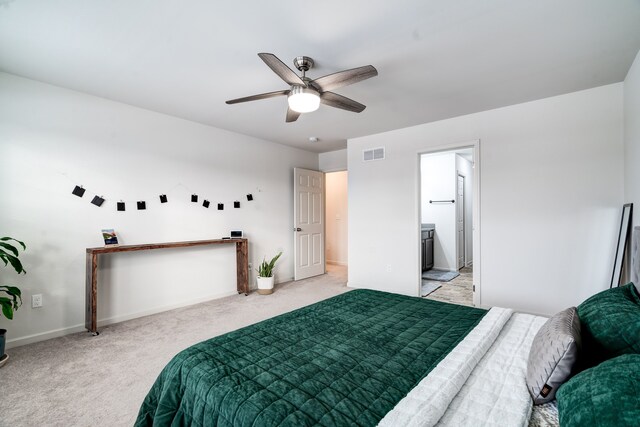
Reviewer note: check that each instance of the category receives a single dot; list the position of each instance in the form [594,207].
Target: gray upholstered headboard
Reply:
[635,257]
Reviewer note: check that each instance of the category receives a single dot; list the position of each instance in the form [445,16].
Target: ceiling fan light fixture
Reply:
[304,94]
[303,99]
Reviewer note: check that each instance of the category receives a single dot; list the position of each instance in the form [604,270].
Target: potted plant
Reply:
[265,275]
[10,296]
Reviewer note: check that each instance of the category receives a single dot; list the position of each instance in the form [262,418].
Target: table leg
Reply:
[242,266]
[91,322]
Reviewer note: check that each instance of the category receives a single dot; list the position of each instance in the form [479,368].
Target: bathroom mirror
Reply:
[623,236]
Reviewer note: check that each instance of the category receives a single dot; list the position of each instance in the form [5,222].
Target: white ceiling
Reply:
[436,58]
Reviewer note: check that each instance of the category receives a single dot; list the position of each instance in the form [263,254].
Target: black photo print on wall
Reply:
[98,201]
[78,191]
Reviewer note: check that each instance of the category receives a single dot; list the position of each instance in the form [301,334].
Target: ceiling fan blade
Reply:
[344,78]
[257,97]
[279,67]
[338,101]
[292,116]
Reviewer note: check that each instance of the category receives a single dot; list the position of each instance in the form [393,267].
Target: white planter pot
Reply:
[265,285]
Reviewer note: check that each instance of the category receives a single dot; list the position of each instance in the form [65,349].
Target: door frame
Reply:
[464,222]
[476,217]
[325,210]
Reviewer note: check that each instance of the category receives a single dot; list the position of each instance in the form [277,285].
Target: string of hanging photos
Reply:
[121,205]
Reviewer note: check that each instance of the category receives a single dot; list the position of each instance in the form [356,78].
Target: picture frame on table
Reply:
[110,237]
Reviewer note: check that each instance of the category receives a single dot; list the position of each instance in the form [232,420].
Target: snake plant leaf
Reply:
[7,308]
[266,268]
[5,239]
[273,261]
[9,247]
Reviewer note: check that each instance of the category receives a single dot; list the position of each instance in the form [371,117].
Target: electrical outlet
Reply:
[388,268]
[36,301]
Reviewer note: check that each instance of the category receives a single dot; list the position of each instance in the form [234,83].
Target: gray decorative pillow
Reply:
[553,355]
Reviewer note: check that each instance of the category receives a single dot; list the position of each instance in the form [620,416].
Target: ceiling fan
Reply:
[305,95]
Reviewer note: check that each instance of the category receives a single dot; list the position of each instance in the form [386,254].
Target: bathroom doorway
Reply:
[447,215]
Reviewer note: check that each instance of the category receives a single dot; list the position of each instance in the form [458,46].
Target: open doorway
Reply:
[446,206]
[336,234]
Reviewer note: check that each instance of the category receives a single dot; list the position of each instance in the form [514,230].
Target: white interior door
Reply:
[460,221]
[308,227]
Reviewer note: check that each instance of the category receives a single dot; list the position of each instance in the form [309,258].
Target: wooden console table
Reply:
[91,322]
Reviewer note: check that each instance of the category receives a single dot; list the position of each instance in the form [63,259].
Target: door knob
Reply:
[297,229]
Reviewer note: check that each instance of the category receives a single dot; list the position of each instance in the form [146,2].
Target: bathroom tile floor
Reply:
[456,291]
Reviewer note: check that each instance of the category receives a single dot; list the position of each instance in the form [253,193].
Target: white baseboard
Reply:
[279,282]
[55,333]
[125,317]
[43,336]
[336,262]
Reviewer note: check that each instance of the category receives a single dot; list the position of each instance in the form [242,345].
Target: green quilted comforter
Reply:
[347,360]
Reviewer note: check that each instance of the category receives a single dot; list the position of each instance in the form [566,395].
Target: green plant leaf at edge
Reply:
[14,261]
[15,293]
[7,308]
[5,239]
[12,248]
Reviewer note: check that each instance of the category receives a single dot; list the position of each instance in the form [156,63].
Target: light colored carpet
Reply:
[81,380]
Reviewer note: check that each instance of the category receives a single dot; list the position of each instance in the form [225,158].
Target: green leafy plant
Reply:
[9,255]
[266,268]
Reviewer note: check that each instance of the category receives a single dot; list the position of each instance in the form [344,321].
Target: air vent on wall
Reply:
[373,154]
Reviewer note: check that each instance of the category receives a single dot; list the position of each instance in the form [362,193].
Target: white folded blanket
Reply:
[428,401]
[496,393]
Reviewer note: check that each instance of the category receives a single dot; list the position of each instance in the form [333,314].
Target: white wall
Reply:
[438,183]
[632,138]
[337,218]
[333,161]
[551,179]
[52,138]
[465,168]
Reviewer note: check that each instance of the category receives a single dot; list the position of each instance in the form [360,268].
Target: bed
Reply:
[373,358]
[361,358]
